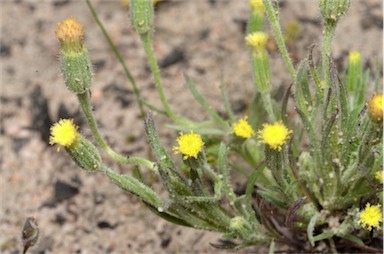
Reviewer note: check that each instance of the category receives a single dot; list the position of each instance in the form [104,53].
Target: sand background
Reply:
[85,213]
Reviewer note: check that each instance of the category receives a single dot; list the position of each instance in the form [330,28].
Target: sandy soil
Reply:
[84,213]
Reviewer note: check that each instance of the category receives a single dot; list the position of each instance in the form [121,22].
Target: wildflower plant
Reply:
[328,192]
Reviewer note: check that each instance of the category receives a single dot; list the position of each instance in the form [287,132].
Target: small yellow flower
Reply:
[190,145]
[242,129]
[376,108]
[64,133]
[371,217]
[257,40]
[354,57]
[274,135]
[71,34]
[257,6]
[379,176]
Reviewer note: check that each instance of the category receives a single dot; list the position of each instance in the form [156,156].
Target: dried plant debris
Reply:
[30,233]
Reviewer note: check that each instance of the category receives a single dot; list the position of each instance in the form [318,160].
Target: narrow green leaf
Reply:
[341,91]
[250,186]
[203,102]
[257,112]
[227,104]
[134,186]
[128,74]
[272,247]
[319,93]
[323,236]
[327,131]
[311,229]
[222,162]
[168,217]
[315,76]
[303,96]
[353,239]
[312,137]
[224,172]
[284,104]
[162,156]
[197,129]
[349,144]
[154,108]
[274,198]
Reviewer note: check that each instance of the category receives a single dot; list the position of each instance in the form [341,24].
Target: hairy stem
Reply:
[327,41]
[273,19]
[156,74]
[85,103]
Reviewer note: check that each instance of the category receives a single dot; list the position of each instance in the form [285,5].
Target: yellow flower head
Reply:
[190,145]
[242,129]
[63,133]
[257,40]
[274,135]
[371,217]
[376,108]
[354,57]
[257,6]
[70,33]
[379,176]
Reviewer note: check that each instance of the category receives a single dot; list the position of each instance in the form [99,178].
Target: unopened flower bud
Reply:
[75,63]
[70,34]
[142,15]
[85,154]
[332,10]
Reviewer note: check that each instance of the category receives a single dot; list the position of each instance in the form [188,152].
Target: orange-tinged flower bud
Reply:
[71,34]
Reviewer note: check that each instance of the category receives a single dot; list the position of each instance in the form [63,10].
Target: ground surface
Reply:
[85,213]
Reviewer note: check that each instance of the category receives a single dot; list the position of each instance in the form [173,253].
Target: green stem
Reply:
[332,245]
[119,58]
[261,73]
[156,74]
[268,105]
[327,41]
[273,19]
[227,104]
[277,162]
[85,103]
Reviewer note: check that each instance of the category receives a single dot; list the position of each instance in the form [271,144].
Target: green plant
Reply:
[315,195]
